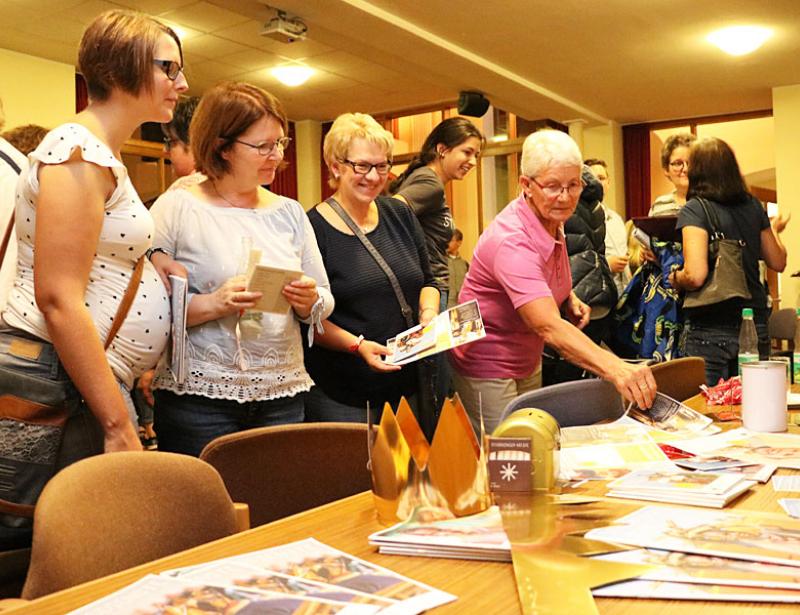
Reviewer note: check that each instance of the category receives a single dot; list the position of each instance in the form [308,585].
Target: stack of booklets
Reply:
[479,537]
[710,489]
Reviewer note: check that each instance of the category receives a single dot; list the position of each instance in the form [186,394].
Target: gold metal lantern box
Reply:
[445,478]
[545,436]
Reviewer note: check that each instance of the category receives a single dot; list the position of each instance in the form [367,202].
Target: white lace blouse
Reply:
[208,240]
[126,233]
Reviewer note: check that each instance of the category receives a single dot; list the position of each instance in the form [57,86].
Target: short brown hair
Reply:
[116,51]
[25,138]
[673,142]
[225,112]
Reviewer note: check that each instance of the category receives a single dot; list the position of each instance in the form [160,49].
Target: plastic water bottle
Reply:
[796,352]
[748,339]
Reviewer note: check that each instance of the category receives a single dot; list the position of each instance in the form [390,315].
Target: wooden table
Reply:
[482,587]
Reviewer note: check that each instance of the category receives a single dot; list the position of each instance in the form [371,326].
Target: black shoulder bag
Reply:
[726,279]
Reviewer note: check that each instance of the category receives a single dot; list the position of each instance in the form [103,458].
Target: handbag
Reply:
[33,414]
[427,408]
[726,279]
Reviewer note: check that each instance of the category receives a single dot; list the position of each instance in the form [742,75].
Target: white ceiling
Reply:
[623,60]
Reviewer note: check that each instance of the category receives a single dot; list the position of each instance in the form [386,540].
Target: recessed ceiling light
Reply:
[739,40]
[292,74]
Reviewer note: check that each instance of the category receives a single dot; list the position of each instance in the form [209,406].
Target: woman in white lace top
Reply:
[245,367]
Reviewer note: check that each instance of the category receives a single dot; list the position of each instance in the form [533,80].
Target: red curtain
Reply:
[81,93]
[636,153]
[325,189]
[285,182]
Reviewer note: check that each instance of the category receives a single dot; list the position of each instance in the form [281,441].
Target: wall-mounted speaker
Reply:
[473,104]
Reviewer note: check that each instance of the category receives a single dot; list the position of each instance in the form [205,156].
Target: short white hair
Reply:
[549,148]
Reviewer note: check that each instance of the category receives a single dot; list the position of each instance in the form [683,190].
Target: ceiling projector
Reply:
[285,29]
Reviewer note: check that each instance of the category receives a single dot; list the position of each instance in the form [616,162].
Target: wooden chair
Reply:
[111,512]
[281,470]
[680,378]
[578,402]
[781,326]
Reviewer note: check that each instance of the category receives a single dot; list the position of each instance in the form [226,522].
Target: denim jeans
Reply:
[186,423]
[31,367]
[320,408]
[719,346]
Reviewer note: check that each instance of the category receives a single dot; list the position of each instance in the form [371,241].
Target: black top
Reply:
[424,192]
[744,220]
[366,304]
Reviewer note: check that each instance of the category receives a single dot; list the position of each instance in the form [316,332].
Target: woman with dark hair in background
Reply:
[449,152]
[712,331]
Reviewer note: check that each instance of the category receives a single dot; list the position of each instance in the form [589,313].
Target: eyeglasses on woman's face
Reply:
[678,164]
[364,168]
[554,190]
[170,67]
[265,148]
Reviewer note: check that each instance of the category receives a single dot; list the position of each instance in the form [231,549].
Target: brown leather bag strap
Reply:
[127,300]
[18,510]
[7,238]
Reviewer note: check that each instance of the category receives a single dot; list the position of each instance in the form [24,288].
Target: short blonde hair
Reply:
[347,127]
[548,148]
[225,112]
[116,51]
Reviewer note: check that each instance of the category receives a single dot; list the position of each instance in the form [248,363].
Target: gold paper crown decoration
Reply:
[445,478]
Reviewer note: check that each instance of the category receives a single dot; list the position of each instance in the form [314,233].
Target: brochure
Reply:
[236,574]
[158,595]
[312,560]
[778,449]
[478,536]
[706,569]
[670,415]
[458,325]
[743,535]
[177,349]
[687,591]
[270,282]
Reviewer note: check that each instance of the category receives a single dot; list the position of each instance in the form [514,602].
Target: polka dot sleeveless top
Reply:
[126,234]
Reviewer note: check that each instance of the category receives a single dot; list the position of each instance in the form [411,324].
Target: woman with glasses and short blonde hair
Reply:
[347,362]
[245,366]
[520,276]
[675,162]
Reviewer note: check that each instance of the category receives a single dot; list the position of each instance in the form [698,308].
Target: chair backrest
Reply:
[579,402]
[680,378]
[114,511]
[285,469]
[782,323]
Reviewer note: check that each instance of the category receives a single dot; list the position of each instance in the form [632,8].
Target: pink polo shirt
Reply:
[515,262]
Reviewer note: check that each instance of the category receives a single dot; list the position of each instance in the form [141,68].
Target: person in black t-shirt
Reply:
[712,332]
[346,361]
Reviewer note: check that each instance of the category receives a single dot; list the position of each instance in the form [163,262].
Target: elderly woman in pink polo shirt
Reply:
[521,278]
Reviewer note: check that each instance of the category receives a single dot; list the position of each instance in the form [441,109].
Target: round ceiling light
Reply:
[292,74]
[739,40]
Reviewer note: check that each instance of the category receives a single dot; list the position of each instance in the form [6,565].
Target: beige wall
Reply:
[786,114]
[35,91]
[308,134]
[605,142]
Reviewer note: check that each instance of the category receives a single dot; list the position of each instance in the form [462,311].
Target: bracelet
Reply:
[151,251]
[353,348]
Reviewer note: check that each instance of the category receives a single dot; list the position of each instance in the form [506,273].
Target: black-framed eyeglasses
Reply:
[168,142]
[364,168]
[265,148]
[171,68]
[553,191]
[679,164]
